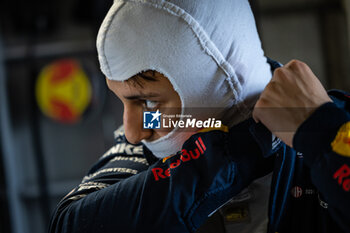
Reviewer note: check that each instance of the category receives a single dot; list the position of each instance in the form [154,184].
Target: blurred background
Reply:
[57,116]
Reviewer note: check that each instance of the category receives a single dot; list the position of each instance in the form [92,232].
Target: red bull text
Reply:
[186,155]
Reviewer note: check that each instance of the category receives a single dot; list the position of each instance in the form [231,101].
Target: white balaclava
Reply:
[209,50]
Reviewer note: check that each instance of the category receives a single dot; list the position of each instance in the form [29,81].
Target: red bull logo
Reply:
[342,175]
[186,155]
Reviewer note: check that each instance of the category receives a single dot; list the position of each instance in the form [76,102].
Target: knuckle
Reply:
[262,102]
[258,103]
[271,86]
[294,61]
[281,71]
[297,64]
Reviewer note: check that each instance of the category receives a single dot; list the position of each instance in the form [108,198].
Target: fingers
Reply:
[292,72]
[281,91]
[288,99]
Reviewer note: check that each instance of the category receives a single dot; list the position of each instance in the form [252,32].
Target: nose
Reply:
[133,125]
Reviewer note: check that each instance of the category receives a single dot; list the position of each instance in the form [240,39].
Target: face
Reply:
[145,95]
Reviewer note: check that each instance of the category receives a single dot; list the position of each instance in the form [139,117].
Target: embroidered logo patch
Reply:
[341,143]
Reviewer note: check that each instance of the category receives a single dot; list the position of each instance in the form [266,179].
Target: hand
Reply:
[291,96]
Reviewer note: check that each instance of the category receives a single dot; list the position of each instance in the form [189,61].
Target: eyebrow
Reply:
[141,96]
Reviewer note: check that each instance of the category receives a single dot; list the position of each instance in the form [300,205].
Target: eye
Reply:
[150,104]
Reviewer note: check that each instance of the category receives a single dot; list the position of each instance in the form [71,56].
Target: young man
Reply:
[176,56]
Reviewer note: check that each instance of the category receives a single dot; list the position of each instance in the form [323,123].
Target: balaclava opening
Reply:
[209,50]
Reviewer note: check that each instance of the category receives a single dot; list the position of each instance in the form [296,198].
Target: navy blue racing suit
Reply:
[129,190]
[124,192]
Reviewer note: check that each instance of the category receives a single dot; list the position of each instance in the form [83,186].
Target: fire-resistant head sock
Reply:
[209,50]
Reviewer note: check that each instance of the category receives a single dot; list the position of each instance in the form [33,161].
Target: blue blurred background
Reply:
[47,146]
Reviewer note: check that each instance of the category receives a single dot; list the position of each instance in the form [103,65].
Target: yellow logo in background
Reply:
[63,90]
[341,143]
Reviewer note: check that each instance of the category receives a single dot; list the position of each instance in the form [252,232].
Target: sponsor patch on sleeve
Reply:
[341,143]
